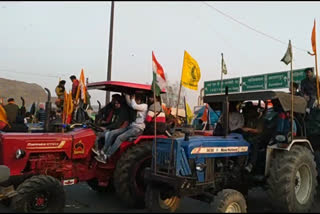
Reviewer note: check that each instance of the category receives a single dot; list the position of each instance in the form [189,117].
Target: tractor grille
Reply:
[165,156]
[163,159]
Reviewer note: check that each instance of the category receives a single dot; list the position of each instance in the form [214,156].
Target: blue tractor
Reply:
[213,168]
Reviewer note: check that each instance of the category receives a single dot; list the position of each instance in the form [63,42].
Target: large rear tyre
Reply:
[129,174]
[292,179]
[157,201]
[39,194]
[229,201]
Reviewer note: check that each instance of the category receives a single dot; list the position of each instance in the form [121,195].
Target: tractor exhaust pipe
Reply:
[226,113]
[48,111]
[99,105]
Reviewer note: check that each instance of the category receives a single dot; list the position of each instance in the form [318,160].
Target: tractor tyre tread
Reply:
[281,179]
[226,196]
[37,182]
[123,182]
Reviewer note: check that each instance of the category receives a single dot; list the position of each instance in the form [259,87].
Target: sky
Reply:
[42,41]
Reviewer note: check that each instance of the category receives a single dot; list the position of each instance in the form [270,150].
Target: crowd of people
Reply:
[250,120]
[127,116]
[15,118]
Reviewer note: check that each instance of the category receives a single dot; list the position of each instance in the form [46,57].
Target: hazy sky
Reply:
[42,41]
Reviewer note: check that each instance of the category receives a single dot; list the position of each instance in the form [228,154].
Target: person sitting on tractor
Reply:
[295,89]
[41,113]
[252,132]
[309,88]
[235,121]
[159,116]
[120,119]
[105,114]
[122,134]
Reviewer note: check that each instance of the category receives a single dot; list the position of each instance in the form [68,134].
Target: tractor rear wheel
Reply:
[292,179]
[129,174]
[229,201]
[39,194]
[157,201]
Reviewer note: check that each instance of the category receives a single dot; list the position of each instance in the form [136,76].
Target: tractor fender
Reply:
[273,147]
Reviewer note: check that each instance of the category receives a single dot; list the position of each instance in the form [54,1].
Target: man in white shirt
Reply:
[136,128]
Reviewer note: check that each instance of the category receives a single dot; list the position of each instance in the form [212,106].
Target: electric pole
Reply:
[110,50]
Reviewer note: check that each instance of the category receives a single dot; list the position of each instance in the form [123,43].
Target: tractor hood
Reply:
[210,146]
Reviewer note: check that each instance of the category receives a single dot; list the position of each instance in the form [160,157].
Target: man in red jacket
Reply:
[75,85]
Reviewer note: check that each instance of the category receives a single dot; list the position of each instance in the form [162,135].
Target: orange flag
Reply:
[81,88]
[313,38]
[69,108]
[204,117]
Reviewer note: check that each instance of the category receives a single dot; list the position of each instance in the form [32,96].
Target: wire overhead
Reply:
[251,28]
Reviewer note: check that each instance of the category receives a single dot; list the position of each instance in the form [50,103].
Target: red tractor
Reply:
[42,162]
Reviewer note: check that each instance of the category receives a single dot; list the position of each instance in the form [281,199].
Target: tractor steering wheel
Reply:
[94,126]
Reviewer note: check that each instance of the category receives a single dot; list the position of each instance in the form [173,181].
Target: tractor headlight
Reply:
[20,154]
[280,138]
[200,167]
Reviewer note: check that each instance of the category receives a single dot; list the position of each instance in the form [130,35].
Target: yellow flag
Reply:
[190,72]
[65,107]
[3,115]
[189,113]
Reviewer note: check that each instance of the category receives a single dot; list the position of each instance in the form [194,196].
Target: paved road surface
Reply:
[81,199]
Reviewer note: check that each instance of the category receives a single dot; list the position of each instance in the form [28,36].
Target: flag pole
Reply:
[155,128]
[180,88]
[317,78]
[292,120]
[221,73]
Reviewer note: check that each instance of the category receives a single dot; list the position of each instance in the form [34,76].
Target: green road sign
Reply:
[252,83]
[298,75]
[214,87]
[277,80]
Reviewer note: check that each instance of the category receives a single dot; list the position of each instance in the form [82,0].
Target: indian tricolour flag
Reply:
[158,76]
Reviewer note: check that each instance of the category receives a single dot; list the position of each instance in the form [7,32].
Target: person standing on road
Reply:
[309,88]
[12,110]
[135,129]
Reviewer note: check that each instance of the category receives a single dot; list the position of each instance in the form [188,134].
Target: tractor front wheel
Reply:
[229,201]
[158,201]
[39,194]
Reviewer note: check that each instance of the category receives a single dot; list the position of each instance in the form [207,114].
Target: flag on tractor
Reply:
[223,66]
[190,72]
[159,80]
[204,117]
[65,107]
[81,91]
[313,38]
[287,58]
[189,113]
[3,118]
[69,108]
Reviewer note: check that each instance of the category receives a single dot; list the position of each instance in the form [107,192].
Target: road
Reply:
[81,199]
